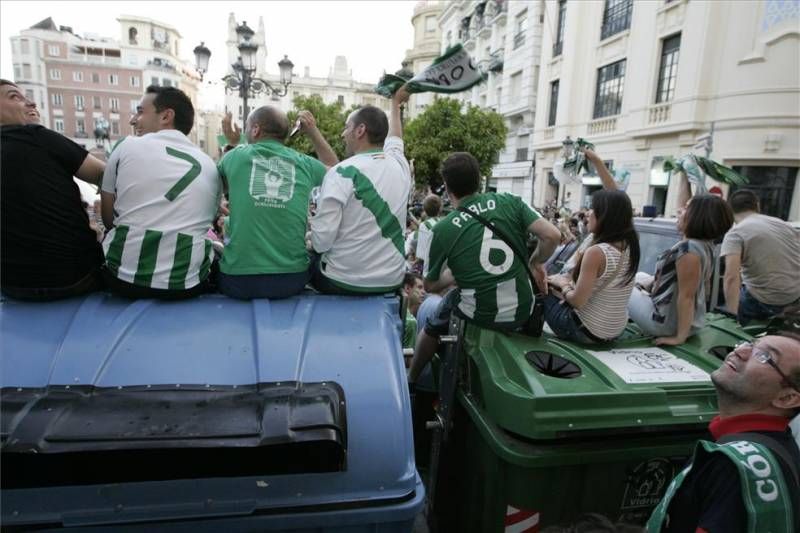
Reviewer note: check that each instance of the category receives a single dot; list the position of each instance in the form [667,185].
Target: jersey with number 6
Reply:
[167,193]
[494,284]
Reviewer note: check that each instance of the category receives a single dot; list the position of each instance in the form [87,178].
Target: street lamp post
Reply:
[568,152]
[243,79]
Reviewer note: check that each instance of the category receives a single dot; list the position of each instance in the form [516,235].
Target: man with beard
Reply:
[748,479]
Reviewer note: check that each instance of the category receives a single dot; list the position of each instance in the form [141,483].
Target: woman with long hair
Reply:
[671,305]
[591,306]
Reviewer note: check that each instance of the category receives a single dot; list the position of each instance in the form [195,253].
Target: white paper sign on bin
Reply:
[650,365]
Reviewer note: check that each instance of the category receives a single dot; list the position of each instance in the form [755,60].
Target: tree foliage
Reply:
[330,121]
[445,128]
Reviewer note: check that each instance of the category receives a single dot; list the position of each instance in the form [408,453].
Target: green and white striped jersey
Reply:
[167,193]
[493,282]
[424,236]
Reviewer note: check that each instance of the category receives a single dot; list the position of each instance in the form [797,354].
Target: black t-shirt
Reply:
[46,239]
[711,495]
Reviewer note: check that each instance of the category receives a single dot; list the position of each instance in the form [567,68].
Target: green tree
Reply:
[330,121]
[444,128]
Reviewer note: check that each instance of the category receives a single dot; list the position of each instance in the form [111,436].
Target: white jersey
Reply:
[424,237]
[167,194]
[361,217]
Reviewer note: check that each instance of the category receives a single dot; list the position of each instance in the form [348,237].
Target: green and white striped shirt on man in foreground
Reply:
[167,193]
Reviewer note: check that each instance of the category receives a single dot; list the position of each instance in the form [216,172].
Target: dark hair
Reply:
[743,200]
[461,173]
[374,119]
[175,99]
[707,218]
[7,82]
[432,205]
[272,121]
[614,215]
[410,278]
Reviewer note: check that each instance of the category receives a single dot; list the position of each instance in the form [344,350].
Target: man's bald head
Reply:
[267,122]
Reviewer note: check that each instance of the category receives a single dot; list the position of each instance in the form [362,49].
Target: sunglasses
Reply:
[763,356]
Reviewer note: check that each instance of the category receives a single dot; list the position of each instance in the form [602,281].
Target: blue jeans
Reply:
[272,286]
[752,309]
[562,320]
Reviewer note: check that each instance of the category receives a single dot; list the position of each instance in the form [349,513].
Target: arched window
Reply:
[132,32]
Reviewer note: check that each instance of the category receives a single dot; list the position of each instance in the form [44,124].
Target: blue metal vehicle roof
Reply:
[103,341]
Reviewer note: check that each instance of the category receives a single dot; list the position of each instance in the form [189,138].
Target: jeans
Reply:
[752,309]
[138,292]
[324,285]
[563,321]
[272,286]
[89,283]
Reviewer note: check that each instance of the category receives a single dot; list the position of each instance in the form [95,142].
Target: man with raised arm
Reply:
[48,250]
[493,285]
[269,185]
[361,213]
[160,195]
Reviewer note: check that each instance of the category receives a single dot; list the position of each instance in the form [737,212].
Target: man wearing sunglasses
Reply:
[748,479]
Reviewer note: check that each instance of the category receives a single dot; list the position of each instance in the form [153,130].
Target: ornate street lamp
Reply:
[243,79]
[201,57]
[101,135]
[567,152]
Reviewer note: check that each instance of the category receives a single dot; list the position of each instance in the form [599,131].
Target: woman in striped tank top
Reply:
[592,306]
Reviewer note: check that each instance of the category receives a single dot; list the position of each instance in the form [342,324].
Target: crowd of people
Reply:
[176,224]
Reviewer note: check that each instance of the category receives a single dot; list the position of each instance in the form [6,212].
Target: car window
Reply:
[652,245]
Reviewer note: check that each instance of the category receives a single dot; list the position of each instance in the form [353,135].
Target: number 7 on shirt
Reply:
[187,178]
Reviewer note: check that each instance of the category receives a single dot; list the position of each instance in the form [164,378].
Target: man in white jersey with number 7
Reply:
[160,194]
[494,289]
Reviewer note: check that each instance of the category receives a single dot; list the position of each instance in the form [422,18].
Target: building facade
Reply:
[82,82]
[648,80]
[78,83]
[155,48]
[427,47]
[338,86]
[505,39]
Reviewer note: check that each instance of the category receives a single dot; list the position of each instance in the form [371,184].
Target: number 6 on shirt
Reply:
[487,245]
[187,178]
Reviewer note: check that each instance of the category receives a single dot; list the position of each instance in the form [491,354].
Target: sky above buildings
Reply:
[374,36]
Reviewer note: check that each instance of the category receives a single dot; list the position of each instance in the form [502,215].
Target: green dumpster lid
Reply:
[547,388]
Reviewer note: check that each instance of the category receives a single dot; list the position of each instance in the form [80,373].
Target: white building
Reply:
[643,80]
[427,47]
[155,48]
[505,38]
[337,86]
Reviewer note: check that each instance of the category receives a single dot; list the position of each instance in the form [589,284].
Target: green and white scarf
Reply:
[452,72]
[696,168]
[764,492]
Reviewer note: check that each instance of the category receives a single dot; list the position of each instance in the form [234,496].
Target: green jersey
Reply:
[493,282]
[269,186]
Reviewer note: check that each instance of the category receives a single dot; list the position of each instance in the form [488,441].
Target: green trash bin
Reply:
[546,430]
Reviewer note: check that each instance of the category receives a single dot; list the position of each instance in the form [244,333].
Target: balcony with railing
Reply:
[558,48]
[659,113]
[602,125]
[549,133]
[499,11]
